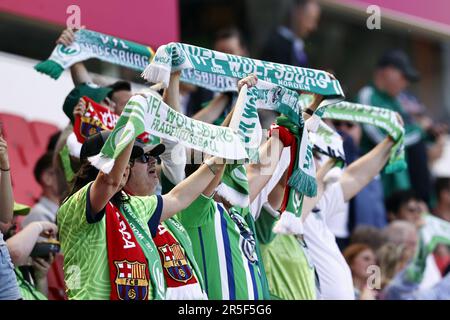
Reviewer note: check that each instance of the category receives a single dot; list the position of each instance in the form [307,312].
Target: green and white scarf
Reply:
[204,68]
[90,44]
[328,142]
[435,231]
[380,117]
[234,185]
[153,116]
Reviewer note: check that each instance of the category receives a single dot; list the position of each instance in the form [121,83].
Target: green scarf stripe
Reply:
[213,70]
[90,44]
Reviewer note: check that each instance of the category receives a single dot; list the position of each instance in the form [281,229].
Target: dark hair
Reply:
[398,199]
[119,86]
[231,32]
[44,162]
[441,184]
[88,173]
[295,4]
[53,140]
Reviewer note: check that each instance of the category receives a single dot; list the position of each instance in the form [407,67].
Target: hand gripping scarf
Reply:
[152,115]
[380,117]
[218,71]
[90,44]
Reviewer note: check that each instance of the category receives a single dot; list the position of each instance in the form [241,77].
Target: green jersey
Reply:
[226,250]
[290,273]
[27,290]
[83,241]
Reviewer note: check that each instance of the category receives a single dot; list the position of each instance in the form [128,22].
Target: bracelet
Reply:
[5,170]
[309,111]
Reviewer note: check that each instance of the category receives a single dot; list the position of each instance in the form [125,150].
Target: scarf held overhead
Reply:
[152,115]
[90,44]
[202,67]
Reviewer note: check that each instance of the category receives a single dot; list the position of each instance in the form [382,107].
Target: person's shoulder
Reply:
[75,199]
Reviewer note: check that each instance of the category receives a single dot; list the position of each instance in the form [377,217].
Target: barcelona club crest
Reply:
[175,263]
[131,280]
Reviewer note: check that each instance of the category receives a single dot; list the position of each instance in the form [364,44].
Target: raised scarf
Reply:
[90,44]
[152,115]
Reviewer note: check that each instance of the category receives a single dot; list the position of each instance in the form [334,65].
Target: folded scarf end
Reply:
[303,183]
[396,166]
[50,68]
[102,163]
[289,223]
[155,73]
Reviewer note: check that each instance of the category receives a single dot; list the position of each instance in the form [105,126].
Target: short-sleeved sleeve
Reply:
[200,212]
[75,214]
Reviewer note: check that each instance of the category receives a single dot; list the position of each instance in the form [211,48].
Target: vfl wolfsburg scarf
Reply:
[152,115]
[380,117]
[328,142]
[218,71]
[134,264]
[301,175]
[90,44]
[435,231]
[234,185]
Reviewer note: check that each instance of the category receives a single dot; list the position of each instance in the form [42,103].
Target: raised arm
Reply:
[21,244]
[106,186]
[363,170]
[78,70]
[6,196]
[183,194]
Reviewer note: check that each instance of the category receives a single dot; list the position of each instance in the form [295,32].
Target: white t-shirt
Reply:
[334,274]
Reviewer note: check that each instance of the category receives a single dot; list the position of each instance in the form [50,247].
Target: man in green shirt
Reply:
[392,76]
[84,233]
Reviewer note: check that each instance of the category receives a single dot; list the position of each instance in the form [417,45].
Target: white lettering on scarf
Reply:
[126,236]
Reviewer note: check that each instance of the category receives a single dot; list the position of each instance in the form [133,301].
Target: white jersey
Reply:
[334,273]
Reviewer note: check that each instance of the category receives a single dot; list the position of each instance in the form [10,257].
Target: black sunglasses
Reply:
[145,158]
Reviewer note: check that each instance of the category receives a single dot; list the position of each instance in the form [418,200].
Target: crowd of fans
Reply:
[361,231]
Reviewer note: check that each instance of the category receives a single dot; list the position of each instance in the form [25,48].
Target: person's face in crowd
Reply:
[120,98]
[444,197]
[143,176]
[48,181]
[361,263]
[410,212]
[350,128]
[306,19]
[230,45]
[394,82]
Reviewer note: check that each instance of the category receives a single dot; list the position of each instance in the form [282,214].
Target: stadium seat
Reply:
[42,132]
[16,130]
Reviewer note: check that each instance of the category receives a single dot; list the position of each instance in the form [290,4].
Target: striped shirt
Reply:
[226,250]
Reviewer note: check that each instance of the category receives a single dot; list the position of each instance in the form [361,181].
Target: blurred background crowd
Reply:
[403,66]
